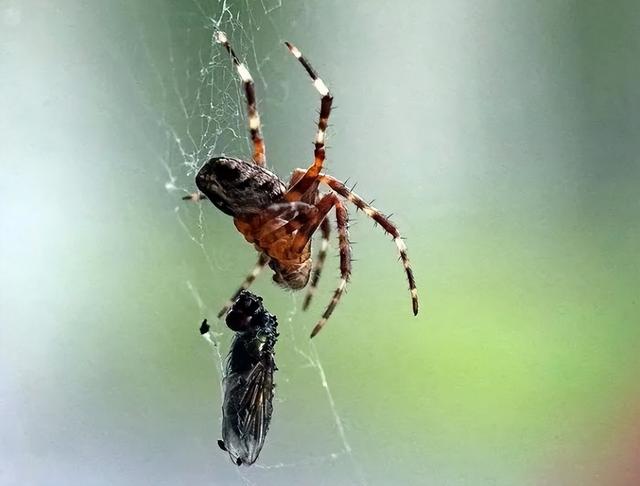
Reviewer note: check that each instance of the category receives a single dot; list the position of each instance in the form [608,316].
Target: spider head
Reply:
[292,277]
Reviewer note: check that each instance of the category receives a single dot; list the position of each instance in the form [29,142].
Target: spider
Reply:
[279,219]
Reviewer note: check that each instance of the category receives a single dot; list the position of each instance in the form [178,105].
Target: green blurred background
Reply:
[503,135]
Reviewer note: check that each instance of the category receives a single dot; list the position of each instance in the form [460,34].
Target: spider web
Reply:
[198,102]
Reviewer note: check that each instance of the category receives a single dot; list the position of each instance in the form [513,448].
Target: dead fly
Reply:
[248,379]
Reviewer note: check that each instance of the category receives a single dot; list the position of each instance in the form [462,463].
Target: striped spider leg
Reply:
[309,181]
[249,279]
[339,188]
[253,117]
[325,231]
[259,156]
[386,225]
[259,153]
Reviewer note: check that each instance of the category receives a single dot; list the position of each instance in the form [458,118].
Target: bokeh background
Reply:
[503,135]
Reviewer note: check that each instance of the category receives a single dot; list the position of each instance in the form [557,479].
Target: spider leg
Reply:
[296,191]
[295,176]
[325,230]
[281,220]
[305,233]
[345,264]
[299,228]
[386,224]
[249,279]
[311,195]
[285,237]
[195,197]
[259,149]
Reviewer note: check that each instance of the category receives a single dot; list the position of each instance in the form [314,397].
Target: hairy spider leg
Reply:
[325,230]
[313,194]
[195,197]
[279,222]
[342,223]
[285,235]
[304,234]
[259,156]
[249,279]
[385,223]
[296,191]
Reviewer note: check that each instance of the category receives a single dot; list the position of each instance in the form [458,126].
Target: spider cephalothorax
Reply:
[280,219]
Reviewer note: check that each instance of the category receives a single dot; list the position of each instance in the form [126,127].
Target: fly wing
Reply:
[247,411]
[257,405]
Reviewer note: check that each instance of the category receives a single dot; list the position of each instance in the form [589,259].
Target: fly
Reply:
[248,378]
